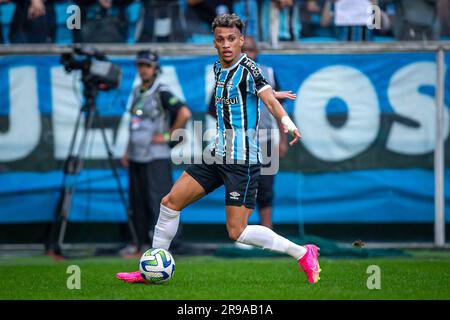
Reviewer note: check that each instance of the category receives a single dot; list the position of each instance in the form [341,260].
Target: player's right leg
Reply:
[185,191]
[198,180]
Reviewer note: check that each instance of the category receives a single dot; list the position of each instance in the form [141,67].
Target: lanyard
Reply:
[138,108]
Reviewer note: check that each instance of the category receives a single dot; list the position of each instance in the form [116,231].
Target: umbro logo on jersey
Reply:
[234,195]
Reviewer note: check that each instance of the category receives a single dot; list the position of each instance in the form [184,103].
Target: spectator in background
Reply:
[34,21]
[200,15]
[248,11]
[2,40]
[289,19]
[311,16]
[387,21]
[207,10]
[102,21]
[349,18]
[280,21]
[416,20]
[155,114]
[162,22]
[444,17]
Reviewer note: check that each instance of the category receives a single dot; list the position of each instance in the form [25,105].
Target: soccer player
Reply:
[239,87]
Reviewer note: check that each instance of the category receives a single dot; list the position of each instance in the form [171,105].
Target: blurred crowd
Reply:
[131,21]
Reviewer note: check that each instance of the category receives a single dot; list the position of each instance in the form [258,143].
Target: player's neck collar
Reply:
[243,55]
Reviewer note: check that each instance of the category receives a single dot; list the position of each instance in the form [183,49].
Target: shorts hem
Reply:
[198,181]
[248,206]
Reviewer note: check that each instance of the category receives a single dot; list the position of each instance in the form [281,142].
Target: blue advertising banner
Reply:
[367,122]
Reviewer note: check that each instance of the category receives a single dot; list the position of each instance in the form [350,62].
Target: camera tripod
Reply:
[73,165]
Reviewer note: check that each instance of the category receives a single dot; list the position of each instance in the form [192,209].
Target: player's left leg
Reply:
[263,237]
[241,183]
[257,235]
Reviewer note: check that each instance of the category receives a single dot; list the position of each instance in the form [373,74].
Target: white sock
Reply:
[265,238]
[166,227]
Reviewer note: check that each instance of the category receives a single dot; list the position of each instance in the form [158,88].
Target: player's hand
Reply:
[297,137]
[284,95]
[295,134]
[36,9]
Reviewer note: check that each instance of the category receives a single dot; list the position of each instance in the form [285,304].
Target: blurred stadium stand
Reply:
[292,22]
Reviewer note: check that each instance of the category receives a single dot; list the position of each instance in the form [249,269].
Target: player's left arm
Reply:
[276,109]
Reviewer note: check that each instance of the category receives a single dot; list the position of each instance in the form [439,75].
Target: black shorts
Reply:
[240,180]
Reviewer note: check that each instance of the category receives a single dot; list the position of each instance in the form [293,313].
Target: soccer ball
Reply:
[157,265]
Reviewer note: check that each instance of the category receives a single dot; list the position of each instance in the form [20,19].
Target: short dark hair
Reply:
[228,21]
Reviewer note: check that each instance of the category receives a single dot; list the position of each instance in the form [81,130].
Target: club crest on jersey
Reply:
[221,84]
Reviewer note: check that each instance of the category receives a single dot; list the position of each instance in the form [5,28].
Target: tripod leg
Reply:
[75,167]
[52,243]
[119,185]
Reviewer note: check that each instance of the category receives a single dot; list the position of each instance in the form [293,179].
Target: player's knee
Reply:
[235,233]
[169,202]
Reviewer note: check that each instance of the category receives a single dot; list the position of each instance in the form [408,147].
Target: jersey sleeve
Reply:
[259,80]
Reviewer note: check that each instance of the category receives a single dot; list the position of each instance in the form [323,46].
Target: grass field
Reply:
[424,276]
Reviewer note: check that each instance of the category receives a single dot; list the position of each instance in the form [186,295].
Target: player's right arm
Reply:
[276,109]
[265,92]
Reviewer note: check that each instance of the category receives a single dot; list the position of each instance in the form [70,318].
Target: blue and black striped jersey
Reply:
[238,109]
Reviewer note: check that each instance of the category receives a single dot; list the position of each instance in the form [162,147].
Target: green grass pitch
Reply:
[423,276]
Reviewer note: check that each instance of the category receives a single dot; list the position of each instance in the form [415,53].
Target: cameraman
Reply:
[155,114]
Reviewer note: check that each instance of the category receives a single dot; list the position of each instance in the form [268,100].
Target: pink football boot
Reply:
[131,277]
[310,263]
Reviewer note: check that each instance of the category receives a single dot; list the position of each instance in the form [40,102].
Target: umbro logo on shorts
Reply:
[234,195]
